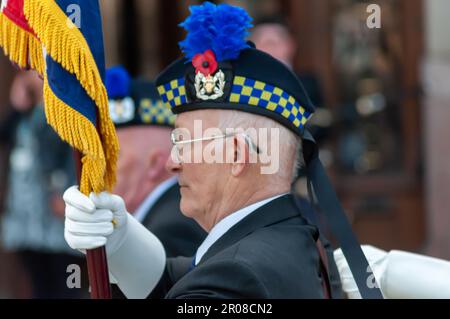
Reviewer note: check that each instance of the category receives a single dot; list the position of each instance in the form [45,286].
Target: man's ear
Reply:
[156,167]
[241,155]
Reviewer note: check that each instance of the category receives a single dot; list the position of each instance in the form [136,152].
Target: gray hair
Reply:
[290,144]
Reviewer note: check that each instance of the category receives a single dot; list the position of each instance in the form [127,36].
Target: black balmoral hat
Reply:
[135,102]
[223,71]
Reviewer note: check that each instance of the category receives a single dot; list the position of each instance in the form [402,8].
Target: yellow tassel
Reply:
[22,47]
[35,54]
[67,46]
[79,132]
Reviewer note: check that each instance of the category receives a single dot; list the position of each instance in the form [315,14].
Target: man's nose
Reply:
[173,165]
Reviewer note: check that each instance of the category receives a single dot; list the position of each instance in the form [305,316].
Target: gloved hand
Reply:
[377,261]
[400,274]
[136,257]
[94,221]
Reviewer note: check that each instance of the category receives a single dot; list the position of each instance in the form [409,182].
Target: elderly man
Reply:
[149,191]
[234,183]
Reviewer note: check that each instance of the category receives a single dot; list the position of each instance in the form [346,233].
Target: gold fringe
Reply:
[79,132]
[22,47]
[35,54]
[67,46]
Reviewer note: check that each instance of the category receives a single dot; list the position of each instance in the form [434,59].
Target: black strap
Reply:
[340,227]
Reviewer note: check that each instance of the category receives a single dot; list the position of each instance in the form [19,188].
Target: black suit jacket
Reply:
[271,253]
[181,236]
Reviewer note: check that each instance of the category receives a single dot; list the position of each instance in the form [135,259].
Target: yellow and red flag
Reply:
[39,34]
[18,39]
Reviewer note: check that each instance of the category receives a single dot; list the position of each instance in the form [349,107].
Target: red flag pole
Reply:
[98,273]
[97,263]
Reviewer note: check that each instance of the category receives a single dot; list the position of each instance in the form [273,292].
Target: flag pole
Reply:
[98,273]
[97,263]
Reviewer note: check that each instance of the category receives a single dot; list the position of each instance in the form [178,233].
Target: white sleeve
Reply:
[415,276]
[139,263]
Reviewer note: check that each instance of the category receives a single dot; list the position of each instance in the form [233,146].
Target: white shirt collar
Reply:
[225,224]
[143,209]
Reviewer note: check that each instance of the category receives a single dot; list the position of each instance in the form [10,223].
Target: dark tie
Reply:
[192,266]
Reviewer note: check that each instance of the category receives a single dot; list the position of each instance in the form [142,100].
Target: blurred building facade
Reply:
[436,117]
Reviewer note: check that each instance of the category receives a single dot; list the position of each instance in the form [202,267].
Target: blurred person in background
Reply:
[271,34]
[152,193]
[40,168]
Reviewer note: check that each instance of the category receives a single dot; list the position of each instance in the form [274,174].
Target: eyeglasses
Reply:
[181,146]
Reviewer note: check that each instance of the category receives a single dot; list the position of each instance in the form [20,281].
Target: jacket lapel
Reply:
[273,212]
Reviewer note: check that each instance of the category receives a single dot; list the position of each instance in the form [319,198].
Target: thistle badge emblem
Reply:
[121,111]
[209,83]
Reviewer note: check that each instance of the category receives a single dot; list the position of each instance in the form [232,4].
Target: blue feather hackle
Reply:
[117,82]
[221,28]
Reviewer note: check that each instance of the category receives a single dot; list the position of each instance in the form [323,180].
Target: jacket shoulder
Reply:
[220,278]
[284,258]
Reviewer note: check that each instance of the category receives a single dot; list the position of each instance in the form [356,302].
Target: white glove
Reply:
[376,259]
[89,220]
[400,274]
[136,258]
